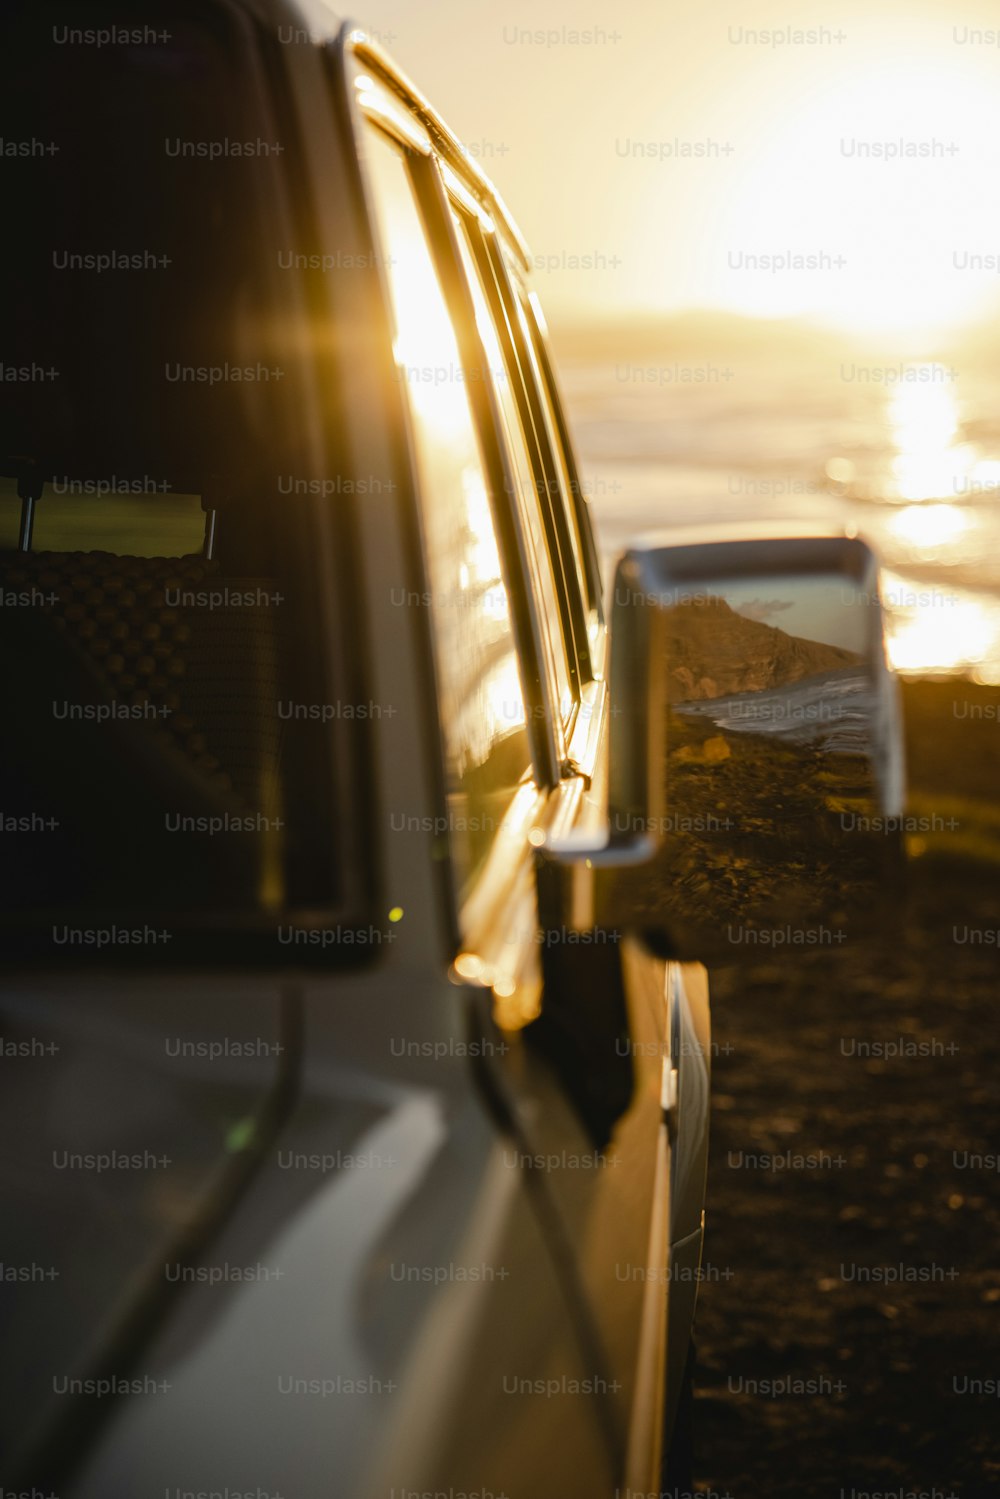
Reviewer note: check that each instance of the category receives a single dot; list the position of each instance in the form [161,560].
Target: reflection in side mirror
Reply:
[755,747]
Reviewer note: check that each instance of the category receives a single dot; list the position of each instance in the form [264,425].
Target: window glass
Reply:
[526,478]
[482,706]
[155,685]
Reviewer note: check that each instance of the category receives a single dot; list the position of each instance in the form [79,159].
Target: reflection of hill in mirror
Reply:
[767,769]
[714,651]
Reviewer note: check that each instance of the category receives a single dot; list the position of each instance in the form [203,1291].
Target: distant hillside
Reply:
[714,651]
[708,334]
[692,335]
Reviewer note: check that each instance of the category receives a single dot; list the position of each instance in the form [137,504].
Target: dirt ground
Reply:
[847,1326]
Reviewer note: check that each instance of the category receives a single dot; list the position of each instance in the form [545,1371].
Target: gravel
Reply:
[847,1323]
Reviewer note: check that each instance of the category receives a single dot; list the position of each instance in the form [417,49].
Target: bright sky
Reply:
[656,152]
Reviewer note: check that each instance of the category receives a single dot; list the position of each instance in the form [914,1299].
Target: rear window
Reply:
[167,743]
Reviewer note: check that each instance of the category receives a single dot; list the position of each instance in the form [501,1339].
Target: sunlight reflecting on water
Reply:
[932,461]
[934,630]
[923,423]
[929,522]
[938,629]
[910,459]
[930,528]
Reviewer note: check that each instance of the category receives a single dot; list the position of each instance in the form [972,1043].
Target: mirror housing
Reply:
[756,778]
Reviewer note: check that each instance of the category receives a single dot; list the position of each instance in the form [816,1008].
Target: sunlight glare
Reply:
[923,422]
[929,527]
[943,639]
[883,229]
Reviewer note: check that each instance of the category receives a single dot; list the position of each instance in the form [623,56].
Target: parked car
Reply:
[356,869]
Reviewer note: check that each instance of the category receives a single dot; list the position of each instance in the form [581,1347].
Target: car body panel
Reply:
[128,1130]
[377,1177]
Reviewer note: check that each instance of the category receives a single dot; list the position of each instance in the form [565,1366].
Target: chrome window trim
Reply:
[480,250]
[514,293]
[448,146]
[545,731]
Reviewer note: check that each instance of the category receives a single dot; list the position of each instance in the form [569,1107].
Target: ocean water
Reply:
[674,428]
[831,711]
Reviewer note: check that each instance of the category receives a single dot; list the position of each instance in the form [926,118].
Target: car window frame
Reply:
[491,260]
[567,498]
[437,172]
[541,342]
[548,744]
[558,497]
[546,733]
[411,178]
[557,622]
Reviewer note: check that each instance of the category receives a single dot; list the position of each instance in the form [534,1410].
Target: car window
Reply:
[567,491]
[481,698]
[525,474]
[497,274]
[554,490]
[153,603]
[154,793]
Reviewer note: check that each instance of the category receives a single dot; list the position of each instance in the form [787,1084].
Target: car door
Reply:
[581,1030]
[588,1061]
[679,1053]
[500,686]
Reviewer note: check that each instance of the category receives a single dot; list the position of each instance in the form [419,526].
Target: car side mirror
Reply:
[756,776]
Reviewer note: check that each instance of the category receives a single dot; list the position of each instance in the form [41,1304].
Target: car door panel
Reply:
[128,1127]
[418,1336]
